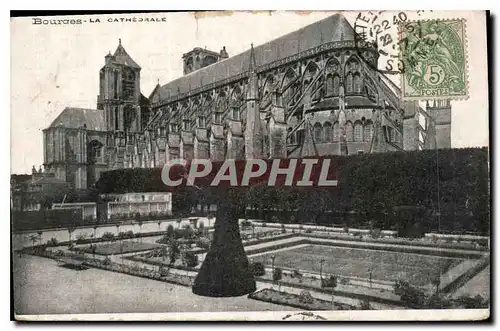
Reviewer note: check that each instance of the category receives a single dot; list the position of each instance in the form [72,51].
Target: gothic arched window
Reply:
[348,131]
[353,77]
[348,83]
[336,131]
[291,137]
[329,85]
[327,128]
[357,83]
[368,131]
[358,131]
[336,84]
[318,132]
[287,87]
[300,136]
[393,135]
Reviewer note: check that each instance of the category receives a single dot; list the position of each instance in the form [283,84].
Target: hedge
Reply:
[371,185]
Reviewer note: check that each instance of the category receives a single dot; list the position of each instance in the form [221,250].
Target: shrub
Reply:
[375,233]
[245,224]
[163,271]
[468,302]
[59,252]
[344,281]
[106,261]
[80,238]
[330,282]
[190,259]
[108,236]
[296,274]
[174,251]
[203,242]
[52,242]
[122,235]
[409,295]
[170,231]
[257,269]
[346,229]
[264,225]
[283,229]
[277,274]
[308,231]
[306,297]
[365,305]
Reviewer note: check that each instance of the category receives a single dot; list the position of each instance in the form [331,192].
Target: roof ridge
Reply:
[307,37]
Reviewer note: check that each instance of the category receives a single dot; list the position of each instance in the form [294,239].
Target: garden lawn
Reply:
[351,262]
[121,247]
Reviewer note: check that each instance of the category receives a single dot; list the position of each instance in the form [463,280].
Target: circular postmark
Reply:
[381,29]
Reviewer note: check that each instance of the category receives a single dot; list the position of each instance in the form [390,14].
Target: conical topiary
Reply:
[225,271]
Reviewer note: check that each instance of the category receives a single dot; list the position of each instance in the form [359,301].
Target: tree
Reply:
[52,242]
[190,259]
[40,236]
[174,250]
[330,282]
[258,269]
[436,281]
[170,231]
[140,222]
[70,232]
[277,274]
[33,239]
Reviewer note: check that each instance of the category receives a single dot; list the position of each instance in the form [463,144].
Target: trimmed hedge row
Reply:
[402,241]
[369,190]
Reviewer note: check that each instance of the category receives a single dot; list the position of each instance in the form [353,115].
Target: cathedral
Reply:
[312,92]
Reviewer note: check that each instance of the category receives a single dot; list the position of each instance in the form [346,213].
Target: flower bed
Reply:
[303,301]
[141,272]
[114,267]
[160,262]
[402,242]
[117,248]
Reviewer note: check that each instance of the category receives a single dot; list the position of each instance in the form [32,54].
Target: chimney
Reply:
[223,53]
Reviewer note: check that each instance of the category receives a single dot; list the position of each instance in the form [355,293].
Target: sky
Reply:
[56,66]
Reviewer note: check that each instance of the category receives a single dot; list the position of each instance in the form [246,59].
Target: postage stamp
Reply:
[434,57]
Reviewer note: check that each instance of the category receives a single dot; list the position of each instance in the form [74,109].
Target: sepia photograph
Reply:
[250,165]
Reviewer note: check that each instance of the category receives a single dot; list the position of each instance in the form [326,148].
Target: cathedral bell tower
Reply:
[119,94]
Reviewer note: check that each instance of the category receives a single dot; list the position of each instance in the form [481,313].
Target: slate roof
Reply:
[72,117]
[121,56]
[332,28]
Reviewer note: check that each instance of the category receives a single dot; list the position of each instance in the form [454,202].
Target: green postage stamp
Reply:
[434,57]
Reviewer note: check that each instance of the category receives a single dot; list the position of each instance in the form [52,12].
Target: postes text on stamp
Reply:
[434,57]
